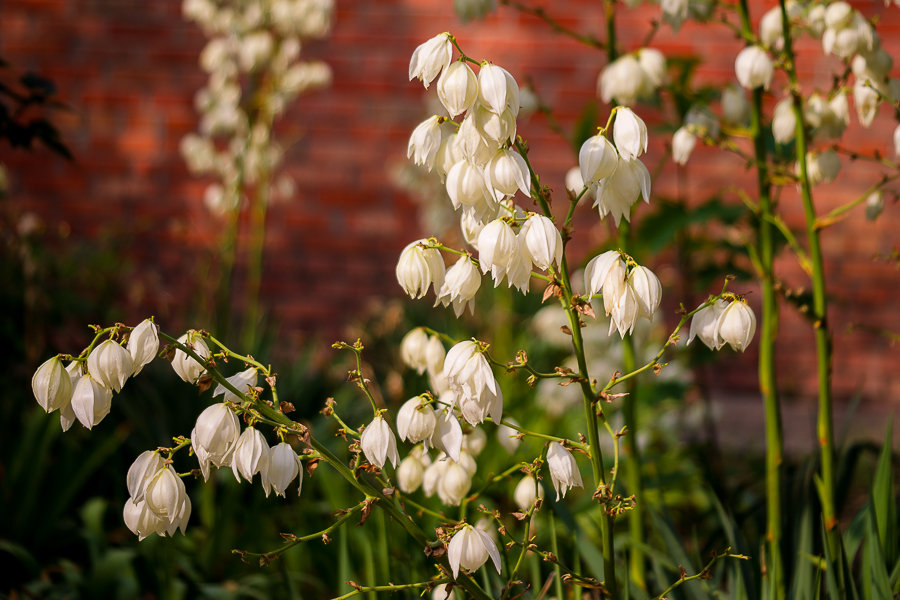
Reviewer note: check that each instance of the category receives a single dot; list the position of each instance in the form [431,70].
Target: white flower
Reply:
[110,364]
[66,413]
[472,141]
[629,133]
[897,141]
[244,382]
[597,159]
[674,12]
[497,246]
[754,68]
[625,311]
[628,183]
[703,323]
[430,58]
[654,70]
[605,273]
[473,443]
[770,32]
[166,497]
[143,344]
[647,290]
[410,474]
[461,283]
[622,80]
[470,548]
[508,437]
[378,443]
[412,349]
[251,455]
[424,142]
[455,481]
[434,355]
[527,491]
[447,436]
[215,436]
[141,520]
[469,375]
[466,187]
[52,385]
[683,142]
[457,88]
[185,366]
[866,100]
[574,181]
[542,241]
[735,108]
[416,420]
[874,205]
[432,476]
[284,467]
[442,591]
[140,472]
[497,89]
[563,469]
[91,401]
[821,167]
[507,173]
[419,268]
[784,122]
[735,326]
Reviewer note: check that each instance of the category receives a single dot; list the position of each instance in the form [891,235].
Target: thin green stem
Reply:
[361,589]
[703,573]
[540,13]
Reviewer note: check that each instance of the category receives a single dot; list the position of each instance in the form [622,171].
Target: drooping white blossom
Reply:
[754,68]
[497,89]
[412,349]
[617,193]
[457,88]
[597,159]
[703,324]
[469,375]
[735,326]
[251,455]
[244,382]
[110,364]
[51,385]
[470,548]
[784,122]
[563,469]
[448,435]
[141,470]
[215,436]
[683,142]
[185,365]
[543,241]
[629,133]
[418,268]
[166,497]
[143,344]
[424,142]
[416,421]
[430,58]
[527,491]
[91,401]
[378,443]
[284,466]
[454,483]
[461,283]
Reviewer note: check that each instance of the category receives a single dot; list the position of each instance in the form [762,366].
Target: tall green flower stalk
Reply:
[768,331]
[825,427]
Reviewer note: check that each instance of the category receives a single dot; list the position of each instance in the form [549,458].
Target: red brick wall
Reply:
[127,69]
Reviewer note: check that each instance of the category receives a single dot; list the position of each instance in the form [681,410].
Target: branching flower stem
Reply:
[703,573]
[391,587]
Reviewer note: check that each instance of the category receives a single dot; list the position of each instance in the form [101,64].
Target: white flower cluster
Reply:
[614,173]
[630,291]
[633,77]
[724,322]
[83,390]
[252,58]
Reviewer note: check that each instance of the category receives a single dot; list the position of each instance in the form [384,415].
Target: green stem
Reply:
[390,588]
[825,427]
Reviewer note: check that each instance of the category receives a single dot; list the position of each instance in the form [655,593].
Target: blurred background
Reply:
[103,220]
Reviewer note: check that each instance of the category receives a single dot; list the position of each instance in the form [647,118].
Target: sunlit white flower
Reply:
[424,142]
[416,420]
[284,466]
[622,80]
[434,355]
[378,443]
[185,366]
[784,122]
[597,159]
[433,474]
[470,548]
[244,382]
[469,375]
[141,470]
[52,385]
[617,193]
[496,248]
[574,181]
[251,455]
[91,401]
[110,364]
[735,326]
[821,167]
[461,283]
[625,311]
[605,273]
[507,173]
[653,69]
[215,436]
[867,101]
[457,88]
[497,89]
[419,268]
[754,68]
[412,349]
[454,483]
[143,344]
[410,474]
[703,324]
[447,436]
[527,491]
[647,290]
[563,469]
[466,188]
[167,498]
[683,142]
[542,241]
[629,133]
[430,58]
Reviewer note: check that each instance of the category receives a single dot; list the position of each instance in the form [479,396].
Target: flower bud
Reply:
[470,548]
[424,142]
[415,421]
[410,474]
[143,344]
[597,159]
[735,326]
[683,142]
[754,68]
[250,456]
[629,133]
[185,366]
[141,470]
[563,469]
[543,241]
[214,437]
[51,385]
[454,483]
[527,491]
[110,364]
[419,268]
[91,401]
[284,466]
[378,443]
[457,88]
[430,58]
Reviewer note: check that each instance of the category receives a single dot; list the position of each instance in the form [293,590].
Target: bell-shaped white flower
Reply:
[508,437]
[605,273]
[284,466]
[469,375]
[647,290]
[416,420]
[771,35]
[754,68]
[466,187]
[496,247]
[244,382]
[475,409]
[251,455]
[147,464]
[821,167]
[497,89]
[454,483]
[735,326]
[110,364]
[470,548]
[622,80]
[473,443]
[167,498]
[430,58]
[185,366]
[434,355]
[574,181]
[683,142]
[52,385]
[628,183]
[518,271]
[378,443]
[142,521]
[629,133]
[625,311]
[654,71]
[563,469]
[866,100]
[472,143]
[215,436]
[419,268]
[424,142]
[735,107]
[143,344]
[827,117]
[91,401]
[703,324]
[527,491]
[496,129]
[461,283]
[597,159]
[447,436]
[412,349]
[507,173]
[410,473]
[897,141]
[457,88]
[784,122]
[433,474]
[543,241]
[66,413]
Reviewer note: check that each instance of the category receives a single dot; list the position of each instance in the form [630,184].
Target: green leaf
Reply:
[885,514]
